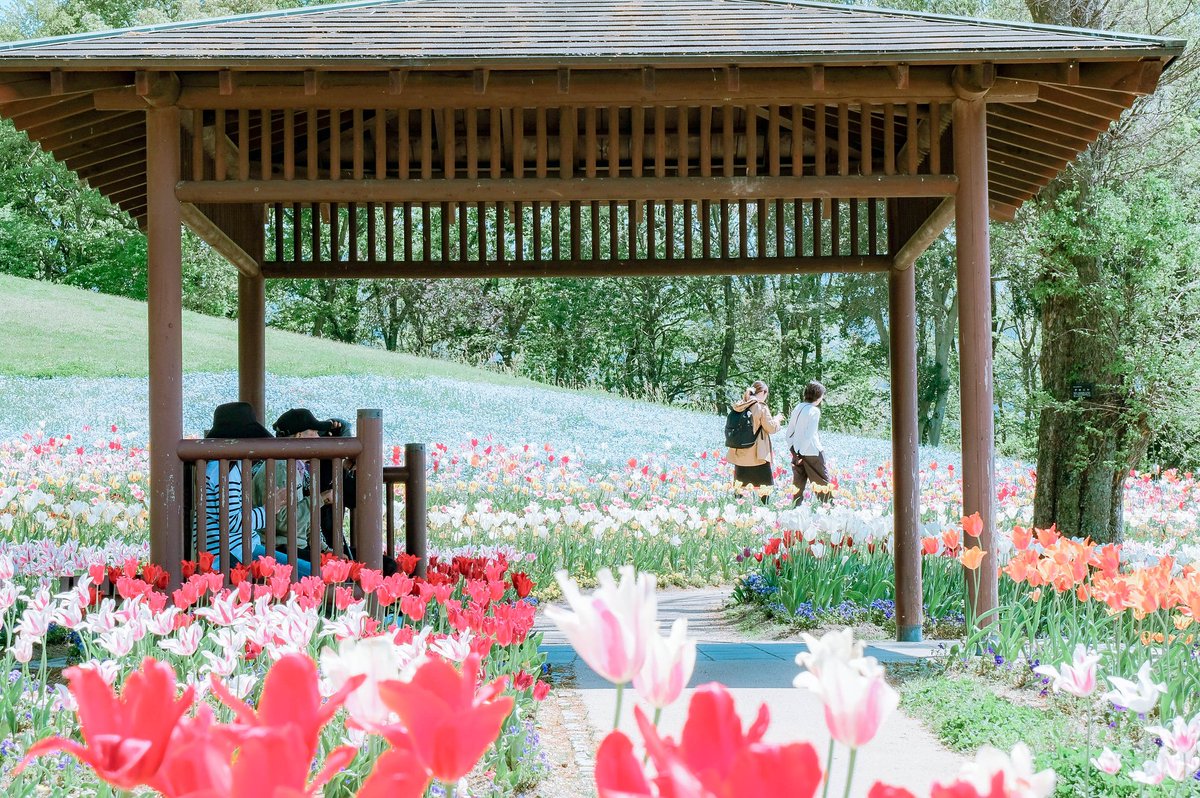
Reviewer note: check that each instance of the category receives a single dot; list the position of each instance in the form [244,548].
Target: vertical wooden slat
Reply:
[855,246]
[270,484]
[278,227]
[728,145]
[935,138]
[219,145]
[835,226]
[913,135]
[743,229]
[243,130]
[338,504]
[223,516]
[426,231]
[651,229]
[780,236]
[403,145]
[889,139]
[289,144]
[496,141]
[867,155]
[773,159]
[268,145]
[335,241]
[379,137]
[201,501]
[682,169]
[449,146]
[197,146]
[761,228]
[426,144]
[724,242]
[536,232]
[797,140]
[314,515]
[818,244]
[798,228]
[751,132]
[335,144]
[246,555]
[464,241]
[819,150]
[297,236]
[518,172]
[555,230]
[292,544]
[873,227]
[843,139]
[472,125]
[310,141]
[357,166]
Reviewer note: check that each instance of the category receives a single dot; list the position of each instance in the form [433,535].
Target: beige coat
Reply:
[761,452]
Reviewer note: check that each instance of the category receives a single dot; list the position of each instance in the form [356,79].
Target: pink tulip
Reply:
[856,703]
[668,667]
[610,629]
[1077,678]
[1108,762]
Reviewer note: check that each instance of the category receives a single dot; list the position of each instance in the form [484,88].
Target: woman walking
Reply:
[804,443]
[752,465]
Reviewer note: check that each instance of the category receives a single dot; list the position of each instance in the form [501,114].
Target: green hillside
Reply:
[58,331]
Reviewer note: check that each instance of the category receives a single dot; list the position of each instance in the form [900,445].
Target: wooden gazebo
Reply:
[425,138]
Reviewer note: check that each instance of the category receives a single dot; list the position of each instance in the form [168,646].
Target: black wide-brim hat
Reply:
[236,420]
[299,419]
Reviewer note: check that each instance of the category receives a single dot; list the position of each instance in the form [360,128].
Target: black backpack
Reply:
[739,429]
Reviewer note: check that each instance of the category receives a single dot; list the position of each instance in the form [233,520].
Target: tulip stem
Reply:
[620,695]
[828,769]
[657,716]
[850,772]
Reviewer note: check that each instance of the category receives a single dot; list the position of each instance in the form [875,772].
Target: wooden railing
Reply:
[363,453]
[412,476]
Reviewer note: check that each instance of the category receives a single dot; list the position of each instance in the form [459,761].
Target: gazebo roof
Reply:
[526,32]
[83,97]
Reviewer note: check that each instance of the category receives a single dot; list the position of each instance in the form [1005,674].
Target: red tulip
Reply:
[881,790]
[126,737]
[522,584]
[290,697]
[714,758]
[618,772]
[450,723]
[399,773]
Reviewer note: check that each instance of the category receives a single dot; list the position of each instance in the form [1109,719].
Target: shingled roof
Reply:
[61,90]
[420,32]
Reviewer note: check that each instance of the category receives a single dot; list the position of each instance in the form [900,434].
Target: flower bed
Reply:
[220,642]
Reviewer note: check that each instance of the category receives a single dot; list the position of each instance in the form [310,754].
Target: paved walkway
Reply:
[904,753]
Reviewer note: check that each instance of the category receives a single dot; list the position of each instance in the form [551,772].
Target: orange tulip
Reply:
[972,557]
[973,526]
[1047,537]
[1021,538]
[929,545]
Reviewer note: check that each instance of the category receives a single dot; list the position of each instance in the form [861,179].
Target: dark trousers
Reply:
[808,468]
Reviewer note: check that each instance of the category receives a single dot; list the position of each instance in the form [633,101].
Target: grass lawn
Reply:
[59,331]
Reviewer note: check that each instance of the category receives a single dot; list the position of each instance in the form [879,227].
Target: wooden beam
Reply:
[1128,77]
[35,113]
[585,189]
[541,88]
[118,123]
[40,84]
[1062,97]
[216,238]
[576,268]
[1036,140]
[85,140]
[1062,121]
[924,236]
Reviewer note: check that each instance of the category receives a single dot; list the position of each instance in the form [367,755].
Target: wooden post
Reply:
[414,505]
[975,352]
[165,316]
[902,333]
[368,525]
[252,343]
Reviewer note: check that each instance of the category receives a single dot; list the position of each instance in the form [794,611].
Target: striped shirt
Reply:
[212,505]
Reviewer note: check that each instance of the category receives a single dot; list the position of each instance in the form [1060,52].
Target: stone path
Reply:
[904,754]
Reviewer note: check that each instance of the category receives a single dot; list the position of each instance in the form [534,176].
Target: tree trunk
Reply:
[1086,446]
[728,341]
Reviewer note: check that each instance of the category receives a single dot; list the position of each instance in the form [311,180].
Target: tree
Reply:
[1113,234]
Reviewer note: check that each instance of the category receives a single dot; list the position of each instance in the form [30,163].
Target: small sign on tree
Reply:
[1081,390]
